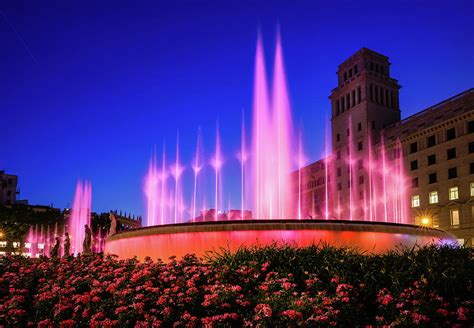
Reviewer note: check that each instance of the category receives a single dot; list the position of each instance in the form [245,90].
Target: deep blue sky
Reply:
[90,87]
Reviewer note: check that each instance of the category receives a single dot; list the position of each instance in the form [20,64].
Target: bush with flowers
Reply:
[255,287]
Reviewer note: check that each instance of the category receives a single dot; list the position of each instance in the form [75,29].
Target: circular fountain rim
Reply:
[283,224]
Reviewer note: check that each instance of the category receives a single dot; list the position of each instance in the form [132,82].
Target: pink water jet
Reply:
[197,166]
[217,164]
[152,182]
[272,140]
[376,186]
[177,170]
[80,215]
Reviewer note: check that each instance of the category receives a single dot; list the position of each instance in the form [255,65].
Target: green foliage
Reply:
[274,286]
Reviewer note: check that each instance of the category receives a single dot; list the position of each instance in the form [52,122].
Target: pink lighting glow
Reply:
[273,176]
[200,238]
[80,215]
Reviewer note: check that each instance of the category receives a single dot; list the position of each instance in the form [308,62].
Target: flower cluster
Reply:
[101,291]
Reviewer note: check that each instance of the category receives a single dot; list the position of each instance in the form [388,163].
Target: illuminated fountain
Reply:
[80,216]
[272,193]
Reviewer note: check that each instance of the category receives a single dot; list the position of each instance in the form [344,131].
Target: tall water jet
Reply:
[260,128]
[177,171]
[351,171]
[152,193]
[80,215]
[326,173]
[196,169]
[301,164]
[243,159]
[216,164]
[271,140]
[163,178]
[282,126]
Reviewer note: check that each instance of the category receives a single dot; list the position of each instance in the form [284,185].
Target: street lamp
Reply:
[425,221]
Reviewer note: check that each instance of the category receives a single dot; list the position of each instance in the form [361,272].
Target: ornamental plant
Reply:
[278,285]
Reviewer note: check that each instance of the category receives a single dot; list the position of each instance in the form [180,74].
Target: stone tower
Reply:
[365,101]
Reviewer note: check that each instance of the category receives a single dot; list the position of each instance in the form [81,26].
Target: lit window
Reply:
[3,244]
[433,197]
[16,244]
[472,188]
[455,217]
[415,201]
[453,193]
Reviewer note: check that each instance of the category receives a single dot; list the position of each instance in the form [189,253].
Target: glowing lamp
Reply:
[425,220]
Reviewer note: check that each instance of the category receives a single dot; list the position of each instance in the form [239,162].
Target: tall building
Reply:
[417,170]
[8,191]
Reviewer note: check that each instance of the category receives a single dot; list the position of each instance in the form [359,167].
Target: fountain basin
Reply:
[161,242]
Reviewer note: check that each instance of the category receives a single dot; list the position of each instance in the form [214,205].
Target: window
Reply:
[454,217]
[432,178]
[470,127]
[355,69]
[471,147]
[338,137]
[359,145]
[348,132]
[413,147]
[453,193]
[338,171]
[359,94]
[450,134]
[431,141]
[359,126]
[471,168]
[451,152]
[414,183]
[338,154]
[471,187]
[415,201]
[414,165]
[345,76]
[432,159]
[350,73]
[433,197]
[452,173]
[361,179]
[339,186]
[3,244]
[361,164]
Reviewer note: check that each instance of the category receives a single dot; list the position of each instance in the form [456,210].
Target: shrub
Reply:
[264,287]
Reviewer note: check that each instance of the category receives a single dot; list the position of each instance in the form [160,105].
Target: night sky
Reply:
[90,88]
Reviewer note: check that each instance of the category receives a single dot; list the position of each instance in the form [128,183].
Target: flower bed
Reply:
[265,287]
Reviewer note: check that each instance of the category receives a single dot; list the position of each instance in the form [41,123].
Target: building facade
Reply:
[8,188]
[418,170]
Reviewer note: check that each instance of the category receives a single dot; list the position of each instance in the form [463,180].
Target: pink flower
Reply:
[443,312]
[264,309]
[419,318]
[286,285]
[292,314]
[462,313]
